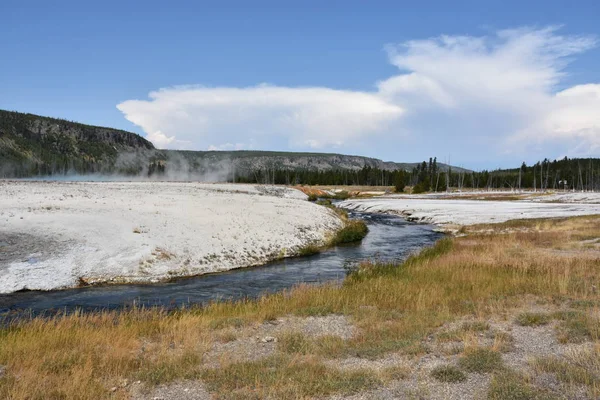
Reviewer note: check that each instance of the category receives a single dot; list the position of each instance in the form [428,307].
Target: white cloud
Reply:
[160,139]
[498,90]
[452,95]
[302,117]
[572,122]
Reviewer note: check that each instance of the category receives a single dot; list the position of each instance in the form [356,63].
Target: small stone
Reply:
[113,389]
[2,370]
[268,339]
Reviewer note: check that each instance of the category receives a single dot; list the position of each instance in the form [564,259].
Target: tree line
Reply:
[565,174]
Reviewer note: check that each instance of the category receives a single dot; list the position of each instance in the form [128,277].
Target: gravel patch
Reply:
[260,341]
[185,390]
[531,342]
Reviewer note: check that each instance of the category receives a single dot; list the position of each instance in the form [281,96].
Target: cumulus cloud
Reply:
[500,88]
[572,121]
[303,117]
[452,95]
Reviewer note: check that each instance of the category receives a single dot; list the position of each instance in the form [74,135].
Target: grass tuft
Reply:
[578,368]
[395,373]
[481,360]
[448,373]
[353,231]
[309,250]
[294,343]
[475,326]
[511,386]
[285,377]
[533,319]
[577,327]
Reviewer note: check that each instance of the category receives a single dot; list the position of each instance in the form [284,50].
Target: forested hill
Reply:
[31,145]
[252,160]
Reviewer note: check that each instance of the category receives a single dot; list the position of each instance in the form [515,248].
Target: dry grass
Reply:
[83,356]
[393,306]
[508,385]
[285,377]
[577,368]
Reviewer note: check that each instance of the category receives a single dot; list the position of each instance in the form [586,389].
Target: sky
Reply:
[477,84]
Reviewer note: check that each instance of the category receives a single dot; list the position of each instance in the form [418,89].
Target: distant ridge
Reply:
[32,145]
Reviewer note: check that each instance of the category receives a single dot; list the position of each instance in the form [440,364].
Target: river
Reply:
[390,238]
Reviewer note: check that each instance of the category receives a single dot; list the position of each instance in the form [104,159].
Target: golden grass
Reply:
[394,307]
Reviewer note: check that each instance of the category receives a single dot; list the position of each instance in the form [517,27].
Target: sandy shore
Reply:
[58,234]
[445,212]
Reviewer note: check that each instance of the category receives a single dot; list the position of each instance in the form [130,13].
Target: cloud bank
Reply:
[452,95]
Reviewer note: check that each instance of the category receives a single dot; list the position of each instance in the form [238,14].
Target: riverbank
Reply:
[66,234]
[389,238]
[507,311]
[449,211]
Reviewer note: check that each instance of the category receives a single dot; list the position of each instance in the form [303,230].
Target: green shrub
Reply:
[353,231]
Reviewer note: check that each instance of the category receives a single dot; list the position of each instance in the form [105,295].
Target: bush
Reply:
[354,231]
[420,188]
[312,197]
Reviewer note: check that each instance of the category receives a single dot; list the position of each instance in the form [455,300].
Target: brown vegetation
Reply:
[491,272]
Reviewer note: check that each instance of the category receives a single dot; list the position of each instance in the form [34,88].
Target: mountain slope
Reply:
[31,145]
[34,145]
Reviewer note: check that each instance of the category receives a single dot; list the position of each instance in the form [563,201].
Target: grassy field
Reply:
[489,273]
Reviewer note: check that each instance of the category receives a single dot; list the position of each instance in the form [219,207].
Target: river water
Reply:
[389,238]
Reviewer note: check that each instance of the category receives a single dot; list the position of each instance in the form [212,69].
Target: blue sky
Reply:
[484,84]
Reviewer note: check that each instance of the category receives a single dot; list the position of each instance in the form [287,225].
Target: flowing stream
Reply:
[389,238]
